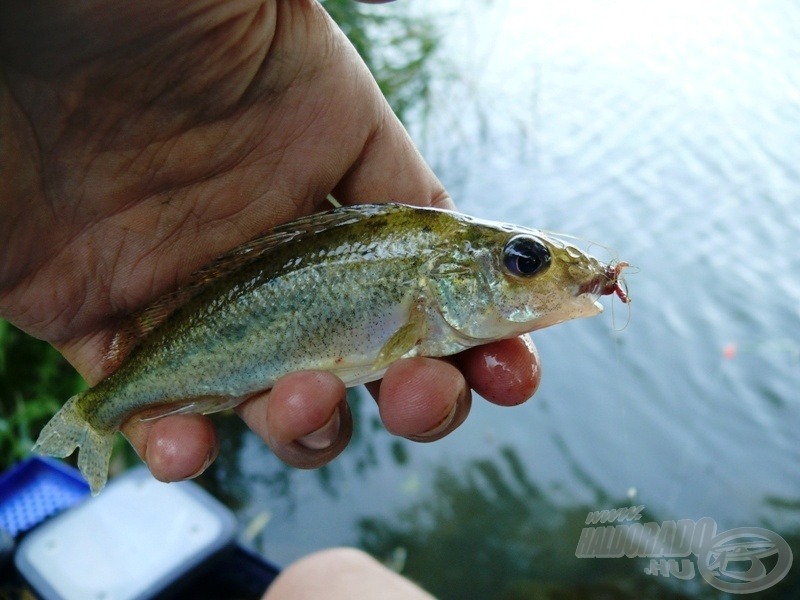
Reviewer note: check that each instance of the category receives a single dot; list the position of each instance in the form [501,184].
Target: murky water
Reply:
[670,132]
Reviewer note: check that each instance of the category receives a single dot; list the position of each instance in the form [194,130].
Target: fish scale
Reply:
[349,291]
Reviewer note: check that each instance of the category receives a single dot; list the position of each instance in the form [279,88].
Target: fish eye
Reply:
[525,256]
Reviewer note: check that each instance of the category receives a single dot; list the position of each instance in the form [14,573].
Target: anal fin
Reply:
[203,406]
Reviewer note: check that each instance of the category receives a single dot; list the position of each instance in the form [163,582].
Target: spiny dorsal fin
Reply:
[141,324]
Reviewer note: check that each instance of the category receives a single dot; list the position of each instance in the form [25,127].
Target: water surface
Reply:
[670,133]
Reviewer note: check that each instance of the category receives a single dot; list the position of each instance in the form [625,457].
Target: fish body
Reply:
[349,291]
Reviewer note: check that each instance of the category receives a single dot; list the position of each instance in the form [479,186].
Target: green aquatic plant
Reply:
[487,529]
[34,380]
[398,47]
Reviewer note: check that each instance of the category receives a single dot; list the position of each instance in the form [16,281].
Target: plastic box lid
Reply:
[36,489]
[133,541]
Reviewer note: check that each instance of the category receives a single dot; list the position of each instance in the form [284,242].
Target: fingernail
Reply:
[457,413]
[432,433]
[325,436]
[212,454]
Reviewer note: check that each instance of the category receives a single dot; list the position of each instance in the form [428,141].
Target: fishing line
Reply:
[624,419]
[614,263]
[615,334]
[617,266]
[613,256]
[627,302]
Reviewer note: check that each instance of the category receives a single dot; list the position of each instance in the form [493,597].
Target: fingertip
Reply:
[505,372]
[304,418]
[175,448]
[321,446]
[423,399]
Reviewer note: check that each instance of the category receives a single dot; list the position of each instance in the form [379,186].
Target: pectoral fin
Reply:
[402,340]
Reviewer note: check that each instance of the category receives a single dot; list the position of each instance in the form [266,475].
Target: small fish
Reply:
[349,291]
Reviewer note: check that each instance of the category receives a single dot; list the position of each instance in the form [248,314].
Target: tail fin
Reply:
[68,430]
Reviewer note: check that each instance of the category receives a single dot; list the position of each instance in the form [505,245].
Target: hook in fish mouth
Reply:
[609,282]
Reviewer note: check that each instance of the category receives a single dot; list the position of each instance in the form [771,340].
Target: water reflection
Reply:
[487,530]
[486,527]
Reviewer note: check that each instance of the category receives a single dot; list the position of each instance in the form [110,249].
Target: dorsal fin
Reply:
[139,325]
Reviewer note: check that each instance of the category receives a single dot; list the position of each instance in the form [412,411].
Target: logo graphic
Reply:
[733,562]
[738,561]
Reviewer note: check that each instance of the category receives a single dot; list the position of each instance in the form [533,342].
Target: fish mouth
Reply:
[608,282]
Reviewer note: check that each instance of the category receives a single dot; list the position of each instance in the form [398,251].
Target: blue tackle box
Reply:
[35,490]
[139,539]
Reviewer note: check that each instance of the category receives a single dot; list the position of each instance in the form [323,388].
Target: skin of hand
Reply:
[136,145]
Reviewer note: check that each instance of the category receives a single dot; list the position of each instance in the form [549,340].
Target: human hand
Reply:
[137,145]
